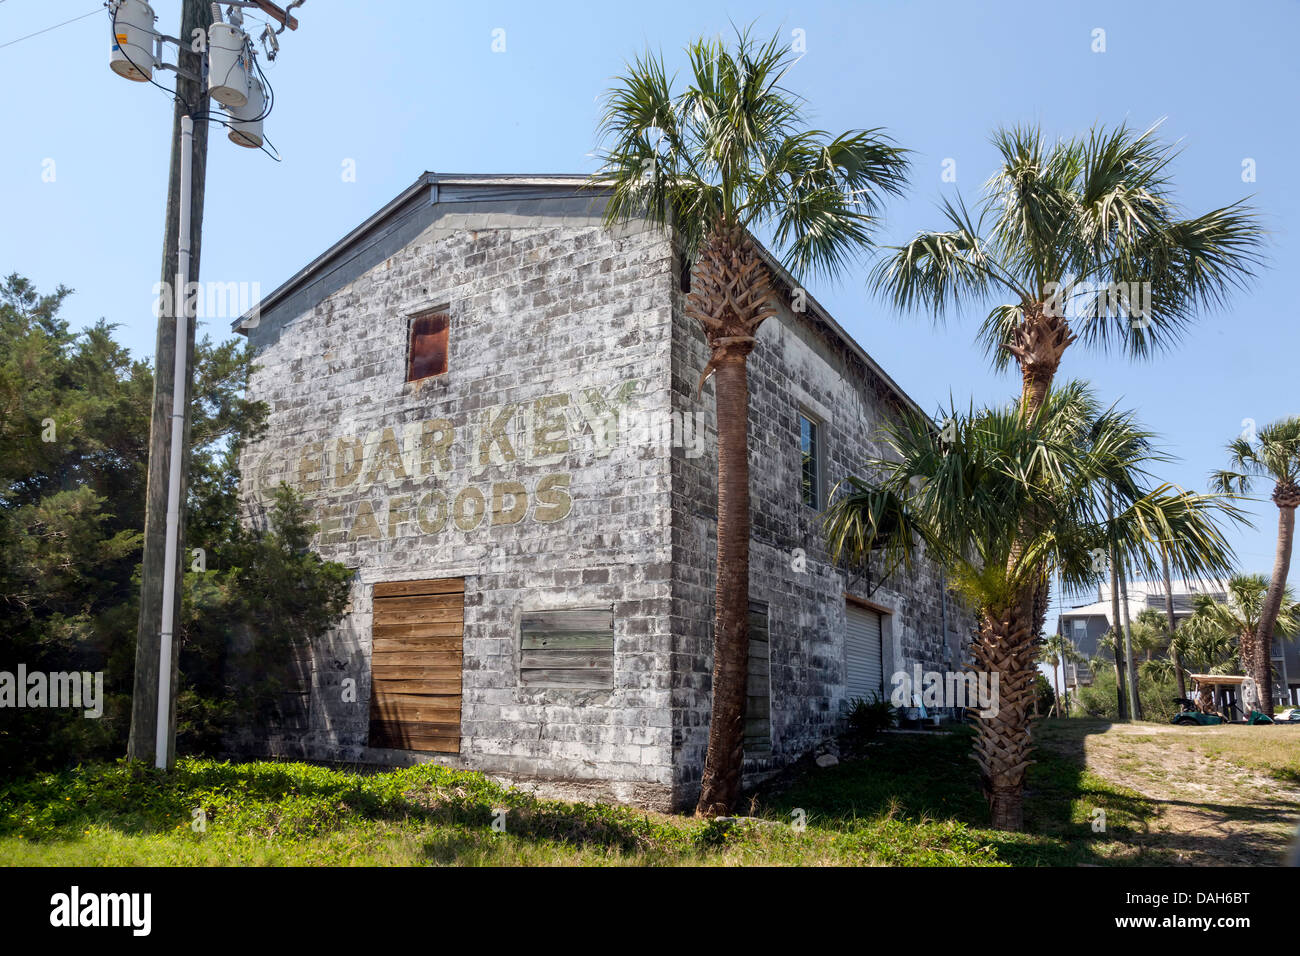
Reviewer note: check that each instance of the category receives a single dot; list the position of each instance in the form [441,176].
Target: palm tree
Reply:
[1110,641]
[1241,616]
[1121,690]
[1134,700]
[1275,455]
[1161,670]
[1086,225]
[1150,635]
[1069,227]
[1057,651]
[727,154]
[995,504]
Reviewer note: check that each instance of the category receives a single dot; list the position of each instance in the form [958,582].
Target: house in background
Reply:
[1086,624]
[490,401]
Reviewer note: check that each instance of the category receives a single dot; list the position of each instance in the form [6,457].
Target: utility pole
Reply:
[153,702]
[190,95]
[1169,622]
[1134,700]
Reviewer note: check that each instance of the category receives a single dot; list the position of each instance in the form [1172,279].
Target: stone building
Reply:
[490,400]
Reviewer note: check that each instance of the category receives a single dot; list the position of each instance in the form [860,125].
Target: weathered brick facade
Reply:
[517,470]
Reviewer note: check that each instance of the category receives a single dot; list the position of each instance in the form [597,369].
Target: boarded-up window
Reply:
[567,648]
[758,688]
[427,354]
[415,665]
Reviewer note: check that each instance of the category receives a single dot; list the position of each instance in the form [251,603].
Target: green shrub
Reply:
[1099,700]
[1043,693]
[869,717]
[71,513]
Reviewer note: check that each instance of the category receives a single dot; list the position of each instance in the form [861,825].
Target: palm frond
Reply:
[999,501]
[1087,224]
[936,271]
[730,149]
[1274,454]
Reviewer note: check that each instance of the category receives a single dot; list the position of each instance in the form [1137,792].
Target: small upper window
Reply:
[427,352]
[810,440]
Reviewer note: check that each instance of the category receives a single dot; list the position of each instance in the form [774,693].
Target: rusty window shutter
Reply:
[427,354]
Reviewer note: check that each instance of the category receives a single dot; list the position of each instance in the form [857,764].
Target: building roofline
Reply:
[849,341]
[424,191]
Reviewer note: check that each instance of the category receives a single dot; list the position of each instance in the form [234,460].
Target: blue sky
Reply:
[401,86]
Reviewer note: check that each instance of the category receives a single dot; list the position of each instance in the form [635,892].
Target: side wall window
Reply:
[810,453]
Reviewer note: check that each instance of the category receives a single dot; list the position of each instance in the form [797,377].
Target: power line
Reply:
[48,29]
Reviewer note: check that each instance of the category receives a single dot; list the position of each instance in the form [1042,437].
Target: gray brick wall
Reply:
[553,322]
[556,326]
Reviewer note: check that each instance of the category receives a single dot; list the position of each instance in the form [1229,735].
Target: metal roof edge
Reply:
[824,314]
[398,203]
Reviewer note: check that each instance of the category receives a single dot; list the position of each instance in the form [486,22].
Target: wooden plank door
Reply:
[415,665]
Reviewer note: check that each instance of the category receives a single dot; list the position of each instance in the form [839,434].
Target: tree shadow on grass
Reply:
[919,777]
[1062,798]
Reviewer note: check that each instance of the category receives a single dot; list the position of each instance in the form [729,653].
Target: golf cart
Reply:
[1188,715]
[1225,690]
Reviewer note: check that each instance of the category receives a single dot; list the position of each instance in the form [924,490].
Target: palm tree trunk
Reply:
[1169,623]
[1273,600]
[1120,693]
[1003,741]
[1056,684]
[1246,651]
[1038,344]
[731,294]
[1134,701]
[720,785]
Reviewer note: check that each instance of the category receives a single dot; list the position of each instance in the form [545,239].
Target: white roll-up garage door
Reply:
[864,653]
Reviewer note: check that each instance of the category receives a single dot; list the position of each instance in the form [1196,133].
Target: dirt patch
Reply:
[1216,806]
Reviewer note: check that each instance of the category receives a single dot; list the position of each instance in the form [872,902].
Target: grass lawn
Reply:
[1273,750]
[1225,794]
[911,801]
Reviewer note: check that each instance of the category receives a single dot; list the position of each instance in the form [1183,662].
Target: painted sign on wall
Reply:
[505,464]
